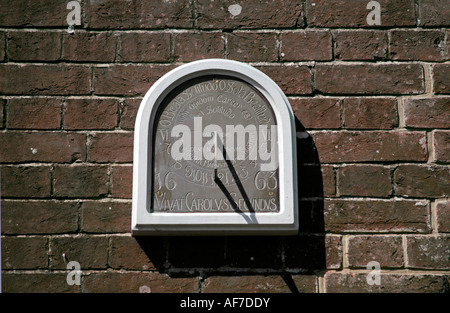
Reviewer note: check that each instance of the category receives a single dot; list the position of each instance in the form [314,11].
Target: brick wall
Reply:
[373,116]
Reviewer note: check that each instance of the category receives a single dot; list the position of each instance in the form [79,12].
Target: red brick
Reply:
[52,79]
[252,47]
[364,180]
[422,181]
[34,113]
[2,109]
[24,252]
[90,113]
[105,217]
[254,14]
[143,47]
[386,250]
[127,79]
[42,147]
[80,181]
[427,113]
[34,46]
[258,284]
[43,282]
[376,216]
[128,112]
[329,180]
[417,45]
[376,79]
[370,113]
[292,79]
[90,252]
[135,282]
[142,14]
[122,180]
[41,13]
[126,253]
[333,251]
[441,78]
[443,216]
[360,45]
[389,283]
[338,147]
[306,46]
[342,13]
[85,47]
[39,217]
[441,145]
[430,252]
[433,13]
[316,113]
[26,181]
[195,46]
[111,147]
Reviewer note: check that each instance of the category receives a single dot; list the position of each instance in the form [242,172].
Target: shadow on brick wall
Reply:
[255,255]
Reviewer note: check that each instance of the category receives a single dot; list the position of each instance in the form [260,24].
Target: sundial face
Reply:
[215,149]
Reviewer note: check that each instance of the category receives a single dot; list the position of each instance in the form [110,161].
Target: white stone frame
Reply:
[284,222]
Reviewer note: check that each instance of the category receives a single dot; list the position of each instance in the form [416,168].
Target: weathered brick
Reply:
[308,252]
[376,216]
[42,147]
[39,217]
[252,14]
[34,113]
[2,109]
[364,180]
[316,113]
[417,45]
[90,252]
[422,181]
[143,47]
[329,180]
[434,13]
[441,78]
[342,13]
[126,253]
[142,14]
[111,147]
[53,79]
[443,216]
[292,79]
[252,47]
[386,250]
[128,112]
[338,147]
[40,13]
[90,113]
[260,284]
[441,145]
[306,46]
[431,252]
[389,283]
[34,46]
[376,79]
[85,47]
[2,46]
[122,180]
[427,113]
[80,181]
[13,282]
[360,45]
[370,113]
[26,181]
[127,79]
[195,46]
[333,251]
[134,282]
[24,252]
[105,217]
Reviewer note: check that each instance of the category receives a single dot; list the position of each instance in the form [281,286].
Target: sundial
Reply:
[214,154]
